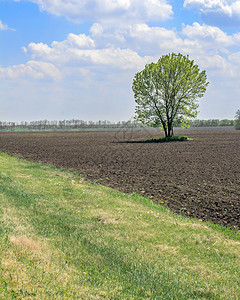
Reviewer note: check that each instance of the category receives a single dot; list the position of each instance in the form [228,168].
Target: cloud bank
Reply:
[108,10]
[31,70]
[221,12]
[228,7]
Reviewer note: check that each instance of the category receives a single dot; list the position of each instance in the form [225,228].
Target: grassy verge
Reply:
[64,238]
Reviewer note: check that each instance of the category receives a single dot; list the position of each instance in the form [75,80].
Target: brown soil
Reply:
[199,178]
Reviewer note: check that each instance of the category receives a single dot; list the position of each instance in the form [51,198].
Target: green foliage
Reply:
[169,139]
[237,120]
[166,92]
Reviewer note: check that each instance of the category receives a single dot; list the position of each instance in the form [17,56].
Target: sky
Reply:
[69,59]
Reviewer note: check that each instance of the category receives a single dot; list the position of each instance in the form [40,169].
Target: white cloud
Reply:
[80,50]
[80,41]
[214,36]
[235,59]
[32,70]
[137,45]
[151,40]
[236,38]
[150,34]
[100,10]
[218,66]
[196,40]
[64,51]
[37,49]
[5,26]
[227,7]
[96,29]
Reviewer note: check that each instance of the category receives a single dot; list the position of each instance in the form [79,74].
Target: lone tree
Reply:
[166,92]
[237,120]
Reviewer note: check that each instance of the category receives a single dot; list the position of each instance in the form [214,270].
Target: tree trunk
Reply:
[165,129]
[170,130]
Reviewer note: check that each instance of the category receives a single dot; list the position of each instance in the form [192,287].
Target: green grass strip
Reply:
[62,237]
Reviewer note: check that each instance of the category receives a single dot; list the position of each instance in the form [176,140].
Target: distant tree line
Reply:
[76,124]
[73,124]
[211,123]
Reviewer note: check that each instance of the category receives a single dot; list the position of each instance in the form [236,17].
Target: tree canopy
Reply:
[166,92]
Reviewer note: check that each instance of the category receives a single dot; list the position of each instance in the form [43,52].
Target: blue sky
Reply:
[67,59]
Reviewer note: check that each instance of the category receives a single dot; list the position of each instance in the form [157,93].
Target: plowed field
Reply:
[199,178]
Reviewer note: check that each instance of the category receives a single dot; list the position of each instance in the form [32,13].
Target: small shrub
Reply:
[169,139]
[237,124]
[237,120]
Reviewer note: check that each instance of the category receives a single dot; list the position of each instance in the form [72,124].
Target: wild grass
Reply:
[62,237]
